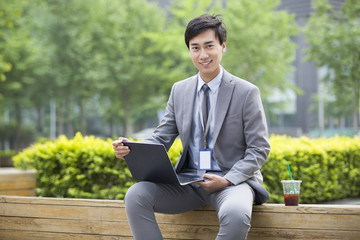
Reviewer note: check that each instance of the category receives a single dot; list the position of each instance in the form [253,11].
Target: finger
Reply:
[123,150]
[120,153]
[209,176]
[122,139]
[119,148]
[198,182]
[119,142]
[116,143]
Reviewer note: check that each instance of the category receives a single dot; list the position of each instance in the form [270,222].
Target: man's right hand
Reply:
[119,148]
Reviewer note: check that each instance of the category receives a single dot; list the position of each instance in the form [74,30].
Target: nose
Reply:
[203,54]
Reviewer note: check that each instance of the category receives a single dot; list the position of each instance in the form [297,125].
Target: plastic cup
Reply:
[291,192]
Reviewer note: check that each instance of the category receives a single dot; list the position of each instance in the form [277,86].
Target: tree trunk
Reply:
[60,118]
[82,117]
[6,121]
[18,121]
[112,132]
[127,107]
[69,125]
[52,119]
[356,110]
[39,126]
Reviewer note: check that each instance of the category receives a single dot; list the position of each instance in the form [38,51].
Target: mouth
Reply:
[205,64]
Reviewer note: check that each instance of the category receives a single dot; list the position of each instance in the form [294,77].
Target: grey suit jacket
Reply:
[241,144]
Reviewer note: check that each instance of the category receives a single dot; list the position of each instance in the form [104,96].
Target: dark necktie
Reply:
[205,110]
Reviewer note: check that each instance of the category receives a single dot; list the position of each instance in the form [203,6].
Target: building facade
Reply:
[306,76]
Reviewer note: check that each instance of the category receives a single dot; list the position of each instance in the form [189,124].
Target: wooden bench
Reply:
[17,182]
[30,218]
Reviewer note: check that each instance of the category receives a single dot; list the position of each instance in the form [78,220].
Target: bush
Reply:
[329,168]
[85,167]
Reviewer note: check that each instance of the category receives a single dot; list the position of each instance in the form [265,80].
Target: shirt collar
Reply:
[213,84]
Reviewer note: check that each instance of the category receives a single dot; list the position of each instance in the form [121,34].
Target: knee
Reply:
[137,194]
[132,193]
[238,218]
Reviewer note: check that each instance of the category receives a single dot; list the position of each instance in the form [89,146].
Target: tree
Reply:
[334,43]
[131,71]
[170,42]
[10,12]
[69,33]
[259,43]
[80,50]
[117,59]
[21,53]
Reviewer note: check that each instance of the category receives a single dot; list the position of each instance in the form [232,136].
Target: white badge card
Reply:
[205,159]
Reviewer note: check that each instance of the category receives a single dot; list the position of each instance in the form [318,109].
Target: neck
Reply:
[207,77]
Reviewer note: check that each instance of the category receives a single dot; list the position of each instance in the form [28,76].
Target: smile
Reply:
[206,63]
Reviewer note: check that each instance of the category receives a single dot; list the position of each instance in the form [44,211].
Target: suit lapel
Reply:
[224,98]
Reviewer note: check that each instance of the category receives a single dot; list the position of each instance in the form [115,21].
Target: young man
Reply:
[234,132]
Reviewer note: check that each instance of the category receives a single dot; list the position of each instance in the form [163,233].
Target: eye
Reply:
[210,46]
[194,48]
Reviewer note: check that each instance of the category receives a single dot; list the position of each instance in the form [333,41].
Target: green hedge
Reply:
[85,167]
[82,167]
[329,168]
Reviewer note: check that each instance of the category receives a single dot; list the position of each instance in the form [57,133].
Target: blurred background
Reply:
[106,67]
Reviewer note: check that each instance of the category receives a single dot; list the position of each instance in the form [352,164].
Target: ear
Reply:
[223,47]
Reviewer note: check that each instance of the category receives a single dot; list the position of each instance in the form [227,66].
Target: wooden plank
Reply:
[18,192]
[188,231]
[115,228]
[17,182]
[62,201]
[271,208]
[11,170]
[77,226]
[103,213]
[5,173]
[194,218]
[16,176]
[30,235]
[309,208]
[191,232]
[96,210]
[306,221]
[320,234]
[87,217]
[62,211]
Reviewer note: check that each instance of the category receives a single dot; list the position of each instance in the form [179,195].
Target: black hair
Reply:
[204,22]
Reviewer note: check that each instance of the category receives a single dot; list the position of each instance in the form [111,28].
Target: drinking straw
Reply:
[291,177]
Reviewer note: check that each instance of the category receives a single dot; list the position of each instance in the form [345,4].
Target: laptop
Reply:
[150,162]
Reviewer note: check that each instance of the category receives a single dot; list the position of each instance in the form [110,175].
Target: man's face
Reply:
[206,53]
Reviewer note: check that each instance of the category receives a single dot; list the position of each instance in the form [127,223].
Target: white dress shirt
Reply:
[196,128]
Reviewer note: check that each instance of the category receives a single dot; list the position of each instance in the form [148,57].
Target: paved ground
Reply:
[346,201]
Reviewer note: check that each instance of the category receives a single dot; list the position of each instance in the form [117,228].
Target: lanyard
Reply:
[206,127]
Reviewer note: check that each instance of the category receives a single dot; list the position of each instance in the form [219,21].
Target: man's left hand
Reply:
[213,182]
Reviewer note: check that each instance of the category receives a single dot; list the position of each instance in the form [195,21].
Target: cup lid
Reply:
[291,181]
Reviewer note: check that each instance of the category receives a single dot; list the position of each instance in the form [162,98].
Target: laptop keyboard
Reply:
[189,178]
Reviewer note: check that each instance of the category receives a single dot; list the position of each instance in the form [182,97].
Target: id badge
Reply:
[205,159]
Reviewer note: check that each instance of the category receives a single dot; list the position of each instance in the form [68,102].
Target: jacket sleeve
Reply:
[166,132]
[257,146]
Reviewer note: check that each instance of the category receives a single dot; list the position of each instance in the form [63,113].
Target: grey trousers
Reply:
[233,205]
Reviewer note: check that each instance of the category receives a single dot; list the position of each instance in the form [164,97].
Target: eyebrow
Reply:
[195,44]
